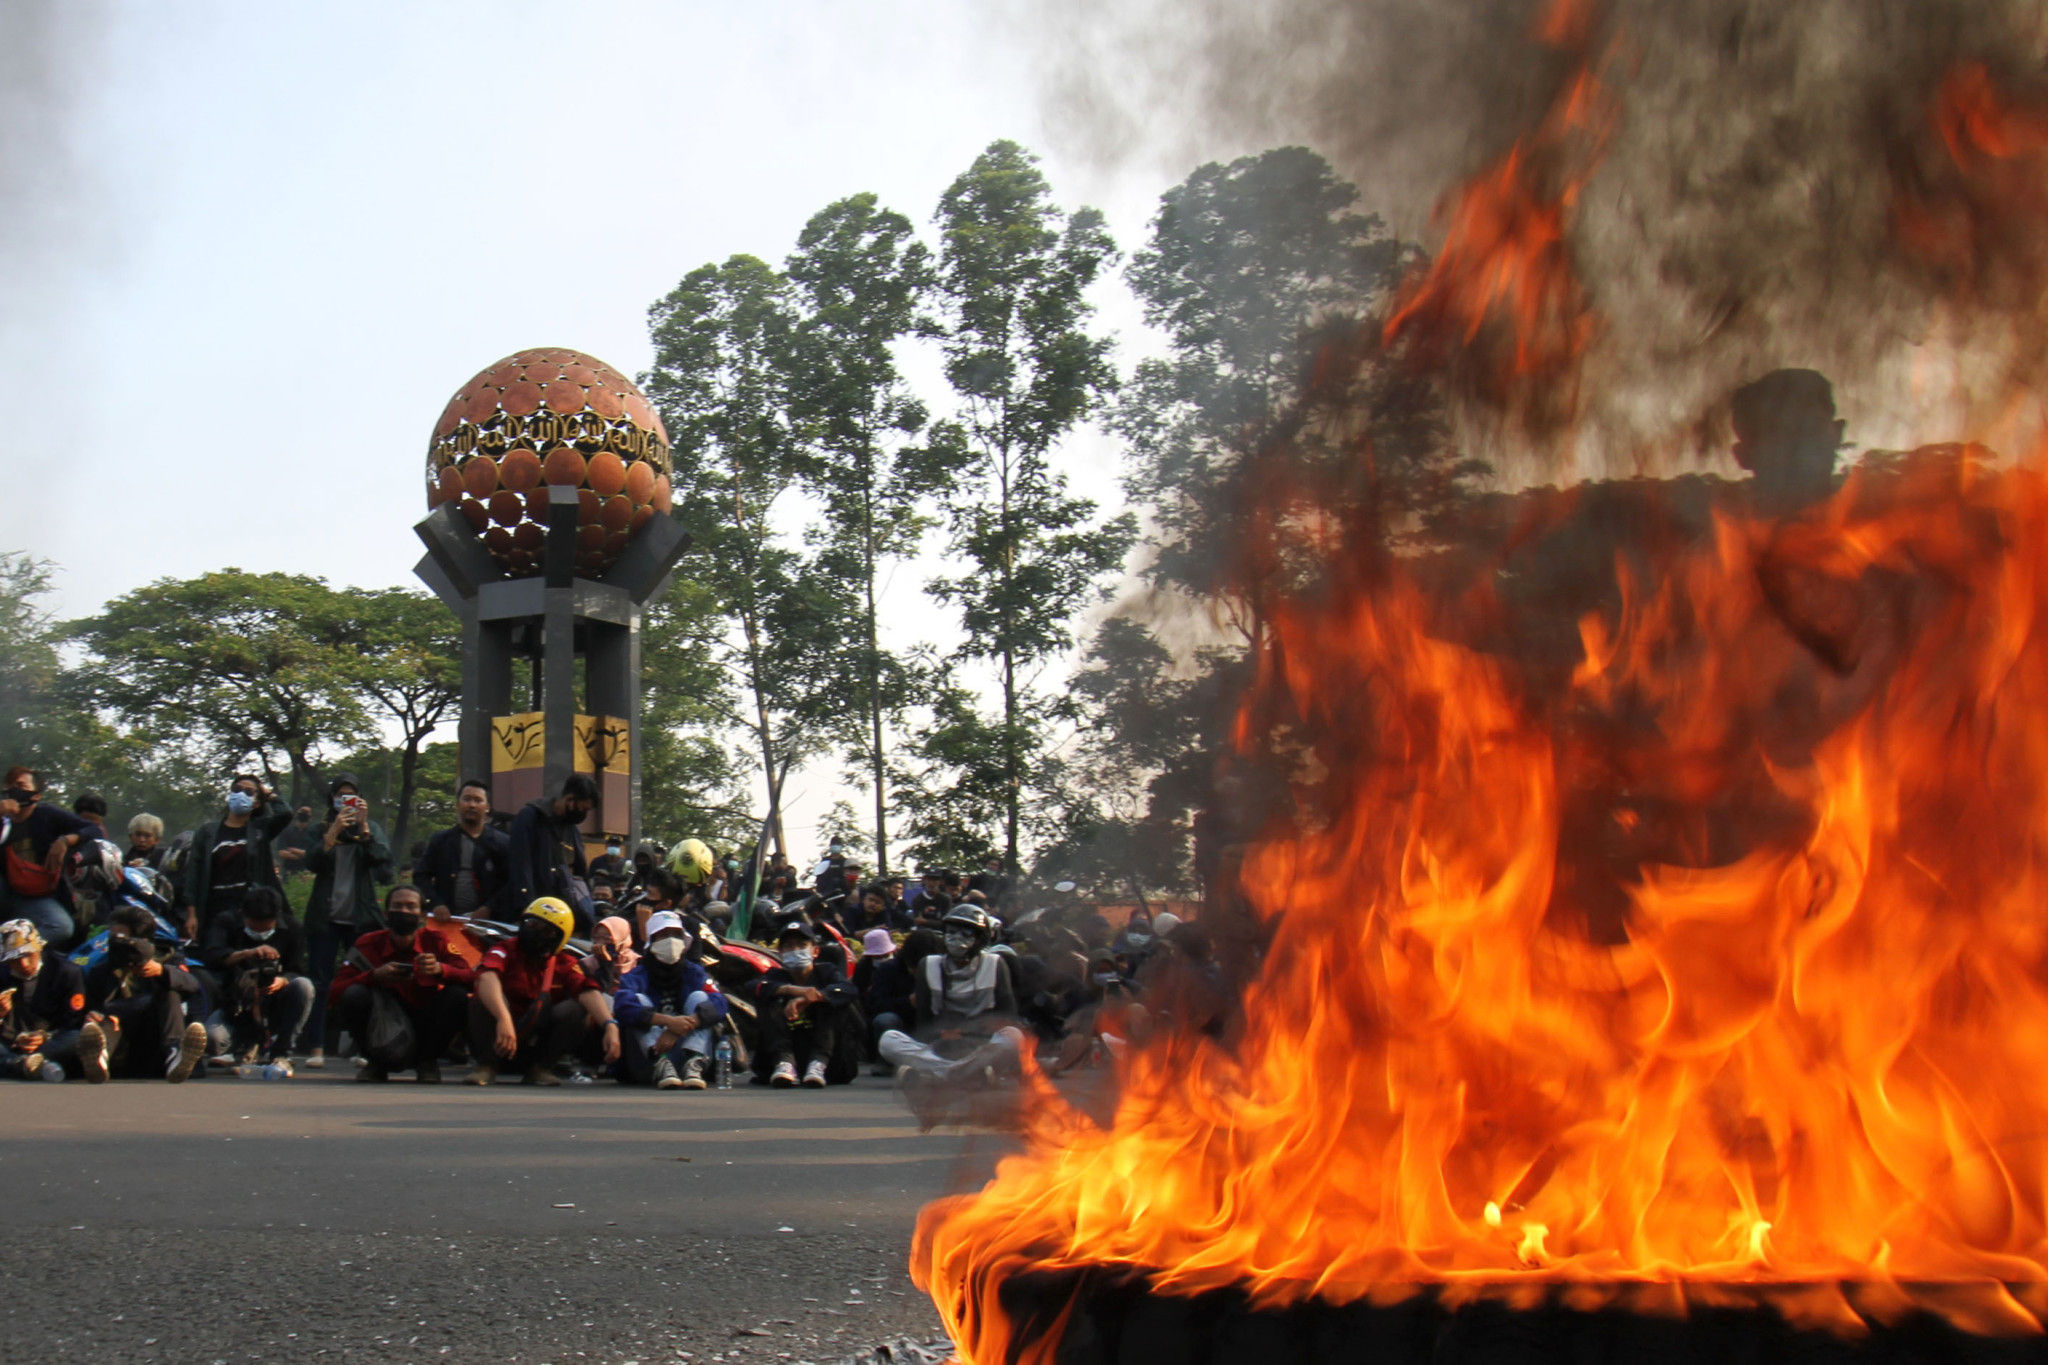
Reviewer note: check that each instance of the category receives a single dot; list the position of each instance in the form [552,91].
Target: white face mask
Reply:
[667,951]
[261,935]
[959,944]
[796,959]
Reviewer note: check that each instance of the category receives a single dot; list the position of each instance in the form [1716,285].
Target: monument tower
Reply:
[547,534]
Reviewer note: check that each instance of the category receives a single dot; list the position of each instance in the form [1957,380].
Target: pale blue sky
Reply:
[255,248]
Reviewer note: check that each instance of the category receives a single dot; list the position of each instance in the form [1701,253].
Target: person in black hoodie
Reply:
[800,1008]
[259,953]
[139,989]
[44,1031]
[547,849]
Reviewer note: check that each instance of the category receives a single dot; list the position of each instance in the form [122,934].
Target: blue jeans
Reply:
[46,913]
[60,1047]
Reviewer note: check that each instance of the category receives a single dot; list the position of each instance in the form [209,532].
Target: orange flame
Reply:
[1502,290]
[1814,1064]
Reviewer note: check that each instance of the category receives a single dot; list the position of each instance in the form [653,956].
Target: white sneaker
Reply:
[814,1075]
[315,1060]
[665,1077]
[92,1053]
[185,1056]
[784,1075]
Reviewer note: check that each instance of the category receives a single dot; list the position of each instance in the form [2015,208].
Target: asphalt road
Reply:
[318,1219]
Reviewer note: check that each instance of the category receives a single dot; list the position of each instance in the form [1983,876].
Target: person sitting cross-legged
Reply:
[800,1008]
[407,966]
[668,1008]
[532,1002]
[966,1008]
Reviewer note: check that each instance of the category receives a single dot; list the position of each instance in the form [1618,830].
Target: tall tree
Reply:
[1247,268]
[242,667]
[860,274]
[410,677]
[29,663]
[1263,277]
[721,343]
[1014,272]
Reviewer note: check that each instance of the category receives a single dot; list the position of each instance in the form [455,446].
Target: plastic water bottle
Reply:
[721,1064]
[278,1071]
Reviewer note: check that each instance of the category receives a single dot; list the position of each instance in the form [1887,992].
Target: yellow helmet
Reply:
[691,861]
[557,913]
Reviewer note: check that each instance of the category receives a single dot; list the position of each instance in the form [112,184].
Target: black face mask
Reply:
[402,923]
[20,795]
[538,939]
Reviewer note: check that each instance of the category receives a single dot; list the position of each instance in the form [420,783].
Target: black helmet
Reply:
[971,917]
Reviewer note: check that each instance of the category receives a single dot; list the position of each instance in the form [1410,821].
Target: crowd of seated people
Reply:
[503,952]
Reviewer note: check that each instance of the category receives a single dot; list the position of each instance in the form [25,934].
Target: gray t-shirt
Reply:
[341,902]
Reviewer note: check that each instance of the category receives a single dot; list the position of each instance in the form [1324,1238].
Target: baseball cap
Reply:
[664,919]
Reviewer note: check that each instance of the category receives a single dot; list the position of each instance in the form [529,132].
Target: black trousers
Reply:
[152,1024]
[814,1039]
[543,1043]
[434,1021]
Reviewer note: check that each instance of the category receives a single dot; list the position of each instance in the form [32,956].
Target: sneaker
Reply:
[579,1077]
[540,1075]
[665,1077]
[185,1056]
[484,1074]
[693,1073]
[427,1073]
[316,1060]
[92,1053]
[784,1075]
[814,1075]
[373,1073]
[42,1068]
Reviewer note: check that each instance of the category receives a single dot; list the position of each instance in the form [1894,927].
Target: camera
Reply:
[127,952]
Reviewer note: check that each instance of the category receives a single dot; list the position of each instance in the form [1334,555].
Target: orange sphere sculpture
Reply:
[550,416]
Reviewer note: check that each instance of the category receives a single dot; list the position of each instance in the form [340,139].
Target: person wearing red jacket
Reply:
[532,1002]
[412,966]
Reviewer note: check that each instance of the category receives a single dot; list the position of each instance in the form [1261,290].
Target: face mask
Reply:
[1138,937]
[958,943]
[262,935]
[1105,979]
[402,923]
[240,803]
[538,938]
[796,959]
[611,850]
[669,951]
[20,795]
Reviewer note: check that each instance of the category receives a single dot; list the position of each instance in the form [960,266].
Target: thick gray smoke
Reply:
[51,55]
[1744,215]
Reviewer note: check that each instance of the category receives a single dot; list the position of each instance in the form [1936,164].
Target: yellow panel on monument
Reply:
[603,749]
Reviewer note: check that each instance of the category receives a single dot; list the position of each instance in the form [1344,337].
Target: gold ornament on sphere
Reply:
[550,416]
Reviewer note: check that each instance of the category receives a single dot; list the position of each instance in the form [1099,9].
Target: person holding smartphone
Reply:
[348,862]
[410,963]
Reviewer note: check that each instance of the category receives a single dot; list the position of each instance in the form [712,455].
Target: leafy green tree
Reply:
[689,783]
[29,664]
[722,351]
[236,668]
[950,789]
[1014,272]
[859,274]
[1267,285]
[46,720]
[410,679]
